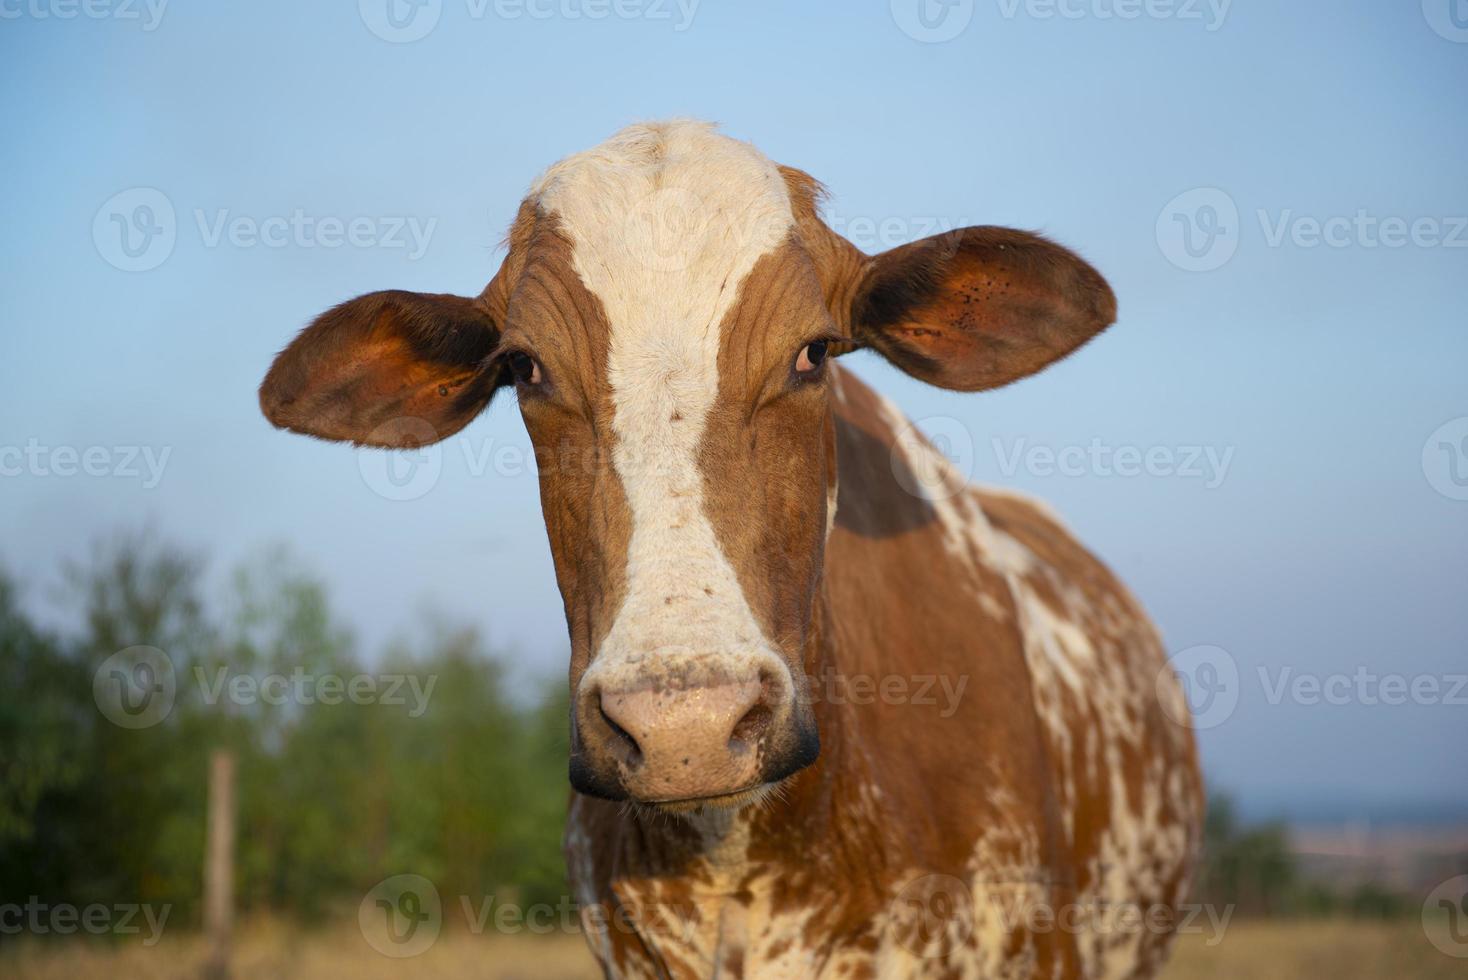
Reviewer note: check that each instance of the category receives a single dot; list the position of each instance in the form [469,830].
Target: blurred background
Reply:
[364,652]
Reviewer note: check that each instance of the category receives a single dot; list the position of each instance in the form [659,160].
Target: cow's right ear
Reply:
[375,369]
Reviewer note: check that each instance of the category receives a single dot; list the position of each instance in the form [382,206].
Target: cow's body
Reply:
[833,713]
[924,845]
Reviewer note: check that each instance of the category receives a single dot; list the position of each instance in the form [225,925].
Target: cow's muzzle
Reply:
[683,730]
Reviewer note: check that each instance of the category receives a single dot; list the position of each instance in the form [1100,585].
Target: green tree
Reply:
[457,781]
[39,719]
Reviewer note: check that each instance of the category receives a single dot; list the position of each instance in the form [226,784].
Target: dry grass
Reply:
[1258,951]
[1335,950]
[282,953]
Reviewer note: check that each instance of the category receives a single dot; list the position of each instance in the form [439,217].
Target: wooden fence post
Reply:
[219,865]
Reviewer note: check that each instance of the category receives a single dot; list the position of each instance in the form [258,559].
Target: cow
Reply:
[834,713]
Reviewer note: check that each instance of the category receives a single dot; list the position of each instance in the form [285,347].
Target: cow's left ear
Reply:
[978,307]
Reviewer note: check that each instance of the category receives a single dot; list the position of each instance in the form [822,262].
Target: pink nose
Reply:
[689,743]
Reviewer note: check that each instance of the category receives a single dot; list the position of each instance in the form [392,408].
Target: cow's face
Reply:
[666,313]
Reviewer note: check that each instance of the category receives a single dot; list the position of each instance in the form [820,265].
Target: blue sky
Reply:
[1330,544]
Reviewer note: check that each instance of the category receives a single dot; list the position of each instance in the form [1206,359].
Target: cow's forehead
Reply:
[665,221]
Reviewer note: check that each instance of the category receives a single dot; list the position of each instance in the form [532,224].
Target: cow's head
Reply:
[665,315]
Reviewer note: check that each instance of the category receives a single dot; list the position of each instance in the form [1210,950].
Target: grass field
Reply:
[1316,951]
[1257,951]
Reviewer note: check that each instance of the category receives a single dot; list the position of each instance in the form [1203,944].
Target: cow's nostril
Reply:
[750,729]
[622,746]
[772,692]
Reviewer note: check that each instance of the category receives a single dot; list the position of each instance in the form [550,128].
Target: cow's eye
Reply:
[524,367]
[812,355]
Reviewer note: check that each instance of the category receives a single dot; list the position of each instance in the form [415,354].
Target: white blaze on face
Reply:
[666,221]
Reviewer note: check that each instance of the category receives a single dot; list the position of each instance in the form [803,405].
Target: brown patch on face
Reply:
[553,317]
[768,459]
